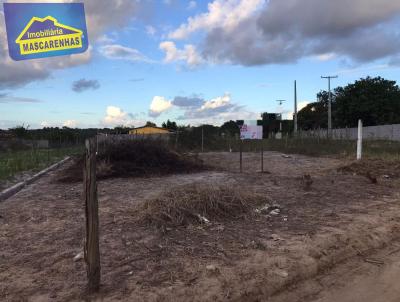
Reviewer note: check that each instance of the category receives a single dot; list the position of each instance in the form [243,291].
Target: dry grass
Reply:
[373,167]
[197,204]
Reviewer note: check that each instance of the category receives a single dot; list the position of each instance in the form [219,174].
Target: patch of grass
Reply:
[195,204]
[374,167]
[14,162]
[388,150]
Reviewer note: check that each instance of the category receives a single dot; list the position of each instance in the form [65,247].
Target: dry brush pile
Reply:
[136,158]
[373,168]
[198,204]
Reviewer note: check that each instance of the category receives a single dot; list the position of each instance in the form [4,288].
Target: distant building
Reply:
[150,130]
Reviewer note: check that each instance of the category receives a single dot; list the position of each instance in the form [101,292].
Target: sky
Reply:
[198,62]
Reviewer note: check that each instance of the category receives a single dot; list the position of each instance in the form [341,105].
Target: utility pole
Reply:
[329,104]
[295,108]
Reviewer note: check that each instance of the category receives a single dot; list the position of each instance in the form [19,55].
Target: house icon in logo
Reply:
[42,35]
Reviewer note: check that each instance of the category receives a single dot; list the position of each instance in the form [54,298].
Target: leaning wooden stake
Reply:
[240,150]
[91,248]
[359,140]
[262,157]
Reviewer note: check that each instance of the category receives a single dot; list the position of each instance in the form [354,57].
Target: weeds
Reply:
[195,204]
[14,162]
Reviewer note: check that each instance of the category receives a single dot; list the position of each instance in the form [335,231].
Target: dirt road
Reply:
[361,279]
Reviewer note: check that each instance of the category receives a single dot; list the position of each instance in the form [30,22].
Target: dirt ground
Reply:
[341,219]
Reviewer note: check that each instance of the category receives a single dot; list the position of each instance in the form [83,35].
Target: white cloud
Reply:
[70,123]
[159,105]
[150,30]
[119,52]
[105,39]
[189,54]
[259,32]
[225,14]
[45,124]
[326,57]
[192,5]
[115,116]
[218,102]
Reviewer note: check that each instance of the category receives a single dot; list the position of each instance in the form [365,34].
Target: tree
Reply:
[170,125]
[150,124]
[20,131]
[121,129]
[230,128]
[315,115]
[375,101]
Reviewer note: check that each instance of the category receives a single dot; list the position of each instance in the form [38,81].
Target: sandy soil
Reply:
[360,279]
[339,218]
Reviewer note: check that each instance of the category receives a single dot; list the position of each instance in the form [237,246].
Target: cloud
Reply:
[192,5]
[70,124]
[221,13]
[105,39]
[197,110]
[83,85]
[182,101]
[150,30]
[325,57]
[218,102]
[258,32]
[119,52]
[159,105]
[6,98]
[115,116]
[188,54]
[217,107]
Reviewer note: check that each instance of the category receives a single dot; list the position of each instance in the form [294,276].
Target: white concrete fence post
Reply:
[359,140]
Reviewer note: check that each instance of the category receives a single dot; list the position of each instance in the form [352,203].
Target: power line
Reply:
[329,103]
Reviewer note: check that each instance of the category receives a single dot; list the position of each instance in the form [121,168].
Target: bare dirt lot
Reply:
[332,217]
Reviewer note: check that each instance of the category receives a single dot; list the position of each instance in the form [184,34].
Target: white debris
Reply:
[203,219]
[79,256]
[273,209]
[275,212]
[282,273]
[212,268]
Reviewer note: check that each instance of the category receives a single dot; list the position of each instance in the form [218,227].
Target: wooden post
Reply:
[240,151]
[91,248]
[262,157]
[359,140]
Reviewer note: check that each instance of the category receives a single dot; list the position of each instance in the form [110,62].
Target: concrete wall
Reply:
[383,132]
